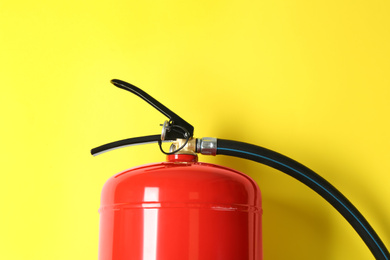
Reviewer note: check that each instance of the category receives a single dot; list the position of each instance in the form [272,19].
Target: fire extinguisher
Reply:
[184,209]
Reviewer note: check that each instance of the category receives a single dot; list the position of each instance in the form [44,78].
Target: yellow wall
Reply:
[309,79]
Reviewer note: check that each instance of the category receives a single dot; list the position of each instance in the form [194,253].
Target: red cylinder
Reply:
[180,210]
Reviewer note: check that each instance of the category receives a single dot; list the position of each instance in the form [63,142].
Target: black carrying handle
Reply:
[175,123]
[124,143]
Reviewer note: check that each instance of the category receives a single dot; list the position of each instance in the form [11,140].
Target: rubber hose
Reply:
[313,181]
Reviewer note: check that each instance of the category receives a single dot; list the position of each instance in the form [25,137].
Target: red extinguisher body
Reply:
[180,210]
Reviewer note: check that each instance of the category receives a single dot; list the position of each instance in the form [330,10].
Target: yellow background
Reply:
[309,79]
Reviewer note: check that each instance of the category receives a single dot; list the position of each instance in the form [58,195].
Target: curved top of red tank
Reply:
[182,184]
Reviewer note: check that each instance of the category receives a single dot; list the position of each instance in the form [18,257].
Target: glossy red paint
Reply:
[180,210]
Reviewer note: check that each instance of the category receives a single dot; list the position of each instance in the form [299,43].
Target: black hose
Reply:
[313,181]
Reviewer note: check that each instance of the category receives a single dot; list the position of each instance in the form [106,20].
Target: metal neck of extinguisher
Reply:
[180,133]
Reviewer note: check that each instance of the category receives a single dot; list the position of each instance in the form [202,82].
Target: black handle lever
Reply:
[174,119]
[175,128]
